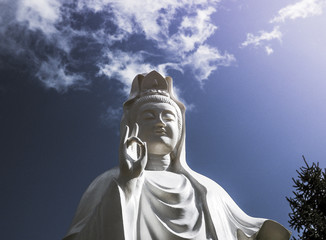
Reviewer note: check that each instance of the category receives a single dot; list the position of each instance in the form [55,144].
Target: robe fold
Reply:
[100,214]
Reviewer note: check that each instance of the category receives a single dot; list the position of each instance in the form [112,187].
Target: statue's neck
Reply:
[158,162]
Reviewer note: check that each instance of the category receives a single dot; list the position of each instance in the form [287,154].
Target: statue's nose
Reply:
[160,122]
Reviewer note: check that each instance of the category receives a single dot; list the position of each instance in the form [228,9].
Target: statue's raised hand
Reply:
[133,154]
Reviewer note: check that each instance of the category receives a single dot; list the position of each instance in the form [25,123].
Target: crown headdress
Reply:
[152,83]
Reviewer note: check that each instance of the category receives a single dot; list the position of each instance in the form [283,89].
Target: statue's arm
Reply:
[270,230]
[105,220]
[109,207]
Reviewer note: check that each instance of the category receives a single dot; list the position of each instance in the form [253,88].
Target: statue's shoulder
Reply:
[108,175]
[90,199]
[100,183]
[95,191]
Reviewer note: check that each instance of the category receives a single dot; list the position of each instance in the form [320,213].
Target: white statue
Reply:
[153,194]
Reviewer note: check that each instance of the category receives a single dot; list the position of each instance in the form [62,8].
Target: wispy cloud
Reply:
[66,43]
[31,35]
[302,9]
[206,59]
[269,50]
[40,15]
[54,74]
[124,66]
[111,117]
[193,31]
[262,37]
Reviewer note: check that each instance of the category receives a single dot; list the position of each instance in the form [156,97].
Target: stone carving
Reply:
[153,194]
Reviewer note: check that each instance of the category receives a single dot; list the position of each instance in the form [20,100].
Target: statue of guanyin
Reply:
[153,194]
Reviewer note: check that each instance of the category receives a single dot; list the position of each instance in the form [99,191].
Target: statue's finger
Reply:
[135,130]
[143,157]
[126,134]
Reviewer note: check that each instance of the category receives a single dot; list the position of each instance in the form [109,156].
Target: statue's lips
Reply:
[160,132]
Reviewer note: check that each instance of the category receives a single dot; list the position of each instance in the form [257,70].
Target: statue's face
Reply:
[158,127]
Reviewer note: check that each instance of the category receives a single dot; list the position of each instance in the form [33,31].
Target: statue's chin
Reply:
[159,148]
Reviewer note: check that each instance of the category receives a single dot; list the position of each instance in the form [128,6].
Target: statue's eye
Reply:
[168,117]
[148,115]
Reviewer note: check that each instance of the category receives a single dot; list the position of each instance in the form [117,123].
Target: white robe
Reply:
[169,208]
[102,213]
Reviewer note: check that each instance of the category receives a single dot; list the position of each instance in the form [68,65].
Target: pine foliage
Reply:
[308,205]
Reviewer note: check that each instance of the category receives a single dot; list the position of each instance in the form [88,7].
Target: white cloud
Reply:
[154,17]
[205,60]
[175,31]
[269,50]
[192,32]
[53,74]
[262,37]
[39,14]
[301,9]
[124,66]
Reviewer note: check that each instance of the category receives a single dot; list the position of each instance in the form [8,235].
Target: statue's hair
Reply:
[157,99]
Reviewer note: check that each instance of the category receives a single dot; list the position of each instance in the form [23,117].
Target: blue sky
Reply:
[252,74]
